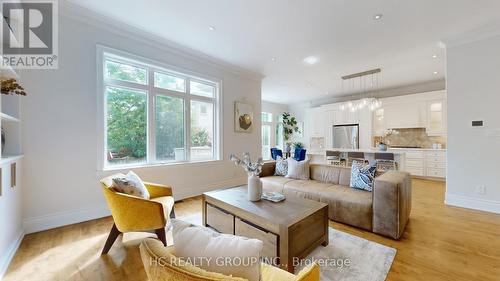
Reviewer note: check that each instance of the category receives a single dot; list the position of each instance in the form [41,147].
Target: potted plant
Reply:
[12,87]
[382,145]
[289,128]
[298,145]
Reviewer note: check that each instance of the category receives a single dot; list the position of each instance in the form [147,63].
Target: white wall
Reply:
[473,85]
[60,126]
[275,108]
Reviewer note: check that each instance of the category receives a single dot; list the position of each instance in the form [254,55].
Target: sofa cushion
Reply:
[131,184]
[281,168]
[310,189]
[274,183]
[223,253]
[349,205]
[298,169]
[362,175]
[331,174]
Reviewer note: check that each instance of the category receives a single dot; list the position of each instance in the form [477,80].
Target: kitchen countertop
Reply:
[416,149]
[371,150]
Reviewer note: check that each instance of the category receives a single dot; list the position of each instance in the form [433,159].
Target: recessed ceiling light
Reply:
[273,59]
[377,16]
[435,72]
[434,56]
[211,28]
[311,60]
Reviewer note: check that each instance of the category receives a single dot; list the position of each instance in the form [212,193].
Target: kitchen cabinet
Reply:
[344,117]
[425,162]
[405,115]
[316,122]
[436,117]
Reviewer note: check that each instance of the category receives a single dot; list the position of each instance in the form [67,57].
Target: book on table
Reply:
[273,196]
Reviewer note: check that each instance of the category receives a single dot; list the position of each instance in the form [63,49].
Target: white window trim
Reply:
[217,101]
[272,136]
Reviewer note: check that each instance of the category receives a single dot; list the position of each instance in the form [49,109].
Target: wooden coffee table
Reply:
[289,229]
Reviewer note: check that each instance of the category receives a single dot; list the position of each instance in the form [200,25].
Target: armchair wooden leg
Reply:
[172,213]
[160,232]
[113,234]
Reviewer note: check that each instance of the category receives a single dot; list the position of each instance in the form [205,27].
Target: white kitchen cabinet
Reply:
[436,117]
[425,163]
[344,117]
[317,118]
[405,115]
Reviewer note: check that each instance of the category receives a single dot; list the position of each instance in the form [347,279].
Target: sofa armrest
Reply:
[391,203]
[268,169]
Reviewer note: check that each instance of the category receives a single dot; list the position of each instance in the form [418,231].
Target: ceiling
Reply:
[342,34]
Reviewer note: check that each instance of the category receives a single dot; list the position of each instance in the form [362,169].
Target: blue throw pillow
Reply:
[281,166]
[362,175]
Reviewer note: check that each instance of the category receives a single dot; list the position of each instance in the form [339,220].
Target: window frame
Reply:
[272,136]
[151,66]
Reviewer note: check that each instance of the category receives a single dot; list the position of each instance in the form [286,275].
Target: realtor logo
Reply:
[29,34]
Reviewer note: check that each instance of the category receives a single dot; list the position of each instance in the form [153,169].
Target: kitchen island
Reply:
[319,156]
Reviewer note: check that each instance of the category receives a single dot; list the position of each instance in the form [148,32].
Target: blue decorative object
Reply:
[300,154]
[362,176]
[276,152]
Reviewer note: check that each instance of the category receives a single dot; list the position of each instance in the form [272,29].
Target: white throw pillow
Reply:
[298,170]
[131,184]
[223,253]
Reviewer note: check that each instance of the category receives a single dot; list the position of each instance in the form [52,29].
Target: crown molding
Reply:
[86,16]
[474,35]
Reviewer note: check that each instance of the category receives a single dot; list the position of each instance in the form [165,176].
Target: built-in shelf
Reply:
[7,117]
[6,159]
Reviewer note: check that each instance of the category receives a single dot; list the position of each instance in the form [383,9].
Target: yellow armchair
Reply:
[133,214]
[161,264]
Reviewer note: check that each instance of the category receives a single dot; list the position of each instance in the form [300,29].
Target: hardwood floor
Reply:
[440,243]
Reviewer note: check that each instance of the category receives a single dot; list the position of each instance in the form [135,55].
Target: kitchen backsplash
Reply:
[415,137]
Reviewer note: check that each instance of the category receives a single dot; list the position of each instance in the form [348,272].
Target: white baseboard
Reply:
[36,224]
[472,203]
[54,220]
[5,260]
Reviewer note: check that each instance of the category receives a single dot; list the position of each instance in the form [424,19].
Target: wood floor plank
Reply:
[440,243]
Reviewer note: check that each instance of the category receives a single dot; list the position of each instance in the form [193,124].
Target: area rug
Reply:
[346,258]
[350,258]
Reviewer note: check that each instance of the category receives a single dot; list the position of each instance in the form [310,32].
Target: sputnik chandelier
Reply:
[364,85]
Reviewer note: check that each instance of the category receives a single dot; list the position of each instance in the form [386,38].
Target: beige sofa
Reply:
[384,211]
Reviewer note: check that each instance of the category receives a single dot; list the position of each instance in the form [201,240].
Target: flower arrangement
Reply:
[252,169]
[12,87]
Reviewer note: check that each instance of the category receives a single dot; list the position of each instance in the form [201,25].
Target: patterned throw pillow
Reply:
[362,176]
[298,170]
[281,166]
[131,184]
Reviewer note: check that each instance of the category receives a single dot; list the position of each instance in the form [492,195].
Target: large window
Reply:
[156,115]
[272,134]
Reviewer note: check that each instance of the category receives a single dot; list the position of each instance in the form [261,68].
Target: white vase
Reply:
[254,188]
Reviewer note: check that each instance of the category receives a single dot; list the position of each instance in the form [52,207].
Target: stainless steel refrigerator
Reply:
[346,136]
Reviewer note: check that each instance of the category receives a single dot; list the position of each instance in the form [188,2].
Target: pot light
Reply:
[211,28]
[434,56]
[273,59]
[435,72]
[378,16]
[311,60]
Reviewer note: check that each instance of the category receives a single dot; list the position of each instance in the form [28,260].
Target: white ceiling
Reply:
[341,33]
